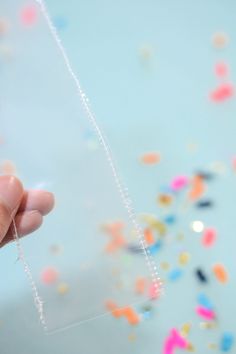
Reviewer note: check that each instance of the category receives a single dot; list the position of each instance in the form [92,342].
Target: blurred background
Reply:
[160,76]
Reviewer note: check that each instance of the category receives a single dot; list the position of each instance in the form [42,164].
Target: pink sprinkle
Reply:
[28,15]
[221,69]
[222,93]
[174,340]
[179,182]
[205,313]
[153,292]
[49,276]
[209,237]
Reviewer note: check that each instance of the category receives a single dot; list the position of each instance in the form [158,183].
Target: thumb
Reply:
[11,193]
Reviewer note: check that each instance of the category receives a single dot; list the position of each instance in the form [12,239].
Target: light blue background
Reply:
[162,105]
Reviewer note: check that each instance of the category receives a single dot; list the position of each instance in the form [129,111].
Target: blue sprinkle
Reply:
[155,247]
[170,219]
[226,342]
[175,274]
[204,301]
[60,23]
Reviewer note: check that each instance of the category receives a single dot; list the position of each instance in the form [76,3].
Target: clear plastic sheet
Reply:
[90,254]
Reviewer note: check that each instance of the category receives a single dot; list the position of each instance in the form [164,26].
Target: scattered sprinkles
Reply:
[151,158]
[220,273]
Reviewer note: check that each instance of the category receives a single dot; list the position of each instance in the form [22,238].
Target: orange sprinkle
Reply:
[131,316]
[140,285]
[115,231]
[8,168]
[165,199]
[220,273]
[148,235]
[198,188]
[151,158]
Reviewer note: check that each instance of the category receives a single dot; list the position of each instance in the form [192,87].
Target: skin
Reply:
[26,207]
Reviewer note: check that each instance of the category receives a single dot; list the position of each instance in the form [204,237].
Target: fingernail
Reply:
[11,191]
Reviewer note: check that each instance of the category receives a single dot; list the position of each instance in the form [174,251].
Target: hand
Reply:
[26,207]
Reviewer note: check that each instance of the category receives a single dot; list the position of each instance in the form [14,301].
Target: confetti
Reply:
[170,219]
[222,92]
[209,237]
[49,275]
[220,273]
[201,275]
[28,15]
[184,258]
[197,226]
[221,69]
[207,203]
[173,341]
[127,312]
[179,183]
[185,329]
[227,342]
[154,249]
[149,238]
[205,313]
[63,288]
[175,274]
[220,40]
[60,23]
[204,301]
[140,285]
[165,199]
[197,188]
[151,158]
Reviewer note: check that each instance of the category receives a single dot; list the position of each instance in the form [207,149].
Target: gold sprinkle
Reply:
[165,265]
[185,329]
[63,288]
[164,199]
[220,40]
[184,258]
[132,337]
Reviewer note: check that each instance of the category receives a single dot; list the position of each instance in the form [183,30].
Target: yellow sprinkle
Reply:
[132,337]
[165,265]
[184,258]
[63,288]
[185,329]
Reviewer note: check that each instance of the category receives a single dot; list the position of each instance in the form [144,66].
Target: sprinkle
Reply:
[140,285]
[28,15]
[115,231]
[209,237]
[49,275]
[197,226]
[197,188]
[222,92]
[63,288]
[153,291]
[220,273]
[175,274]
[170,219]
[185,329]
[220,40]
[179,183]
[174,340]
[151,158]
[8,168]
[221,69]
[149,238]
[56,249]
[146,312]
[201,276]
[154,249]
[227,342]
[205,313]
[165,199]
[184,258]
[146,52]
[132,337]
[208,176]
[207,203]
[60,22]
[4,26]
[212,346]
[128,312]
[207,325]
[204,301]
[165,265]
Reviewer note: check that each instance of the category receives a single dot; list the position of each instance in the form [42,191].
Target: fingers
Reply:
[37,200]
[11,192]
[26,222]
